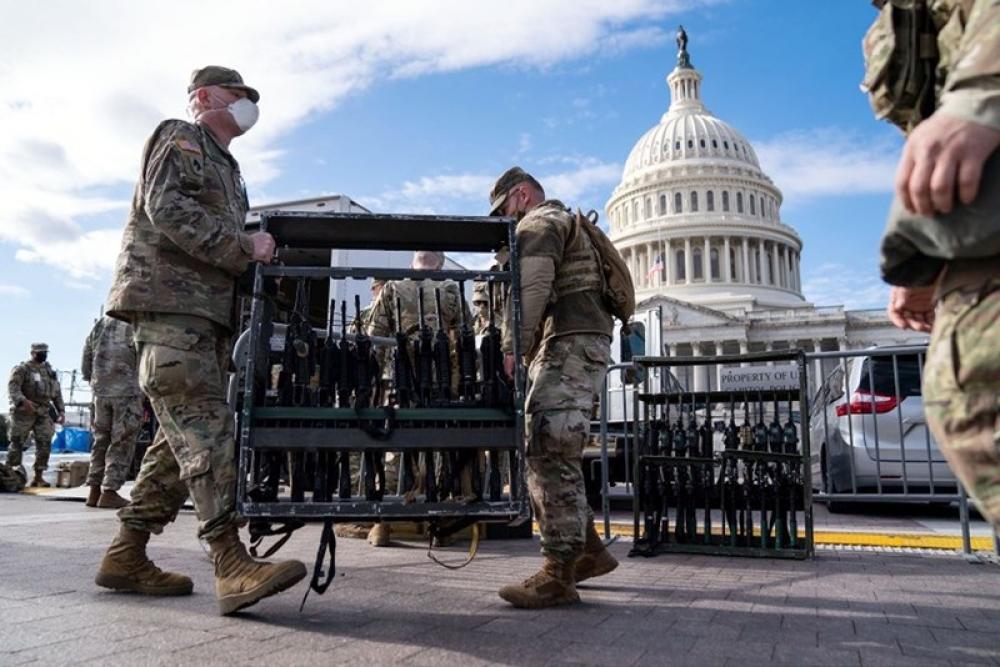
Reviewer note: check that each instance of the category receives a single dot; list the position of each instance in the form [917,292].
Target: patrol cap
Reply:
[214,75]
[39,347]
[504,184]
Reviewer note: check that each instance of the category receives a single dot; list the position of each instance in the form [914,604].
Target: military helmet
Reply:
[39,347]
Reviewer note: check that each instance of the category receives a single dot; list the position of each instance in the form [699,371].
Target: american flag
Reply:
[657,266]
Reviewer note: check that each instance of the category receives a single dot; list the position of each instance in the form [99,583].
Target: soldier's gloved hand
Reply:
[943,154]
[27,406]
[263,247]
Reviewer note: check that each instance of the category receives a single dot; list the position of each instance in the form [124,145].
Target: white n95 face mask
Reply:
[244,112]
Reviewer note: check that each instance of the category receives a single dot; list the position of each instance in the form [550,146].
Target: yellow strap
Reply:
[473,549]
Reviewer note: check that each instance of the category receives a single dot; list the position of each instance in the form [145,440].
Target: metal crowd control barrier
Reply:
[870,440]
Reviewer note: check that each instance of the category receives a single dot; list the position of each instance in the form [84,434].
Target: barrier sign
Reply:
[752,378]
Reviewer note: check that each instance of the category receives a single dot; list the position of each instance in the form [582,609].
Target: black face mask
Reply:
[40,357]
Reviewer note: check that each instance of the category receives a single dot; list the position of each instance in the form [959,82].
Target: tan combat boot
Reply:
[39,482]
[596,559]
[379,535]
[550,587]
[111,500]
[94,495]
[241,581]
[127,568]
[355,531]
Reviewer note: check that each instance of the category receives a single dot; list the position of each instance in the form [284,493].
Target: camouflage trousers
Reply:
[565,376]
[183,364]
[23,422]
[115,423]
[961,389]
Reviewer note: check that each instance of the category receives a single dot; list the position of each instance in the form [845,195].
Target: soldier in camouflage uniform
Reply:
[940,83]
[382,322]
[34,391]
[566,331]
[481,296]
[109,365]
[183,250]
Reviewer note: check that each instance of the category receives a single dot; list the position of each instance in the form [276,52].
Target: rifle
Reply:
[466,353]
[775,436]
[300,357]
[346,380]
[692,483]
[495,393]
[760,444]
[367,376]
[730,474]
[328,368]
[403,374]
[791,446]
[679,444]
[706,472]
[649,501]
[666,473]
[442,354]
[748,470]
[425,379]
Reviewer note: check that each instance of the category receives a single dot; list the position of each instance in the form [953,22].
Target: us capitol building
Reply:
[699,224]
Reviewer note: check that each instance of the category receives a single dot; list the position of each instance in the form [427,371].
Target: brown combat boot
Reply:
[111,500]
[241,581]
[379,535]
[39,482]
[549,587]
[94,495]
[127,568]
[596,559]
[355,531]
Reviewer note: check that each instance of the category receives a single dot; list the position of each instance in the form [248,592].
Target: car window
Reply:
[879,370]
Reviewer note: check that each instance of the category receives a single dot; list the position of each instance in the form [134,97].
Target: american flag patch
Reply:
[188,146]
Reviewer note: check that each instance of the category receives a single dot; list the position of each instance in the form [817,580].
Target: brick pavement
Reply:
[394,605]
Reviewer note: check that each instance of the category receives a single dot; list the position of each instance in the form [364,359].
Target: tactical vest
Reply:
[40,384]
[580,270]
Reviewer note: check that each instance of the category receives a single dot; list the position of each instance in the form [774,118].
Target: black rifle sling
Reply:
[327,545]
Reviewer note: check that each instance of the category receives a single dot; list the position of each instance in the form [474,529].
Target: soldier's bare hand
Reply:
[943,154]
[62,418]
[263,247]
[27,406]
[508,365]
[912,307]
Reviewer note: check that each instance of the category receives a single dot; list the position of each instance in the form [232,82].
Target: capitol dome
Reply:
[695,217]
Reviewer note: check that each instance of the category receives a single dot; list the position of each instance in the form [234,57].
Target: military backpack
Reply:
[12,479]
[617,286]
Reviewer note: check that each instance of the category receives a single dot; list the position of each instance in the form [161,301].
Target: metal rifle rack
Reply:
[739,486]
[296,442]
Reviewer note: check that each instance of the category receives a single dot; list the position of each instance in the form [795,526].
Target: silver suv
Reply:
[867,430]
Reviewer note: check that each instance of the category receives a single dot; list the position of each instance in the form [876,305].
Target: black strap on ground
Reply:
[327,545]
[260,529]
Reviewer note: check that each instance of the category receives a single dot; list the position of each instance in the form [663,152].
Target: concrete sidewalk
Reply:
[394,605]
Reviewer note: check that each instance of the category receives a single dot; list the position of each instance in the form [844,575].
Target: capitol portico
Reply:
[699,224]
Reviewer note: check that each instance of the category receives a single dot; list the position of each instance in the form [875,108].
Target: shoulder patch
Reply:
[187,146]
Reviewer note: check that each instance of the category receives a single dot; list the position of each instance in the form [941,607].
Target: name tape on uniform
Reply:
[743,378]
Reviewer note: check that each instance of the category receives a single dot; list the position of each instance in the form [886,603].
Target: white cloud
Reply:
[585,184]
[13,290]
[80,93]
[828,162]
[833,283]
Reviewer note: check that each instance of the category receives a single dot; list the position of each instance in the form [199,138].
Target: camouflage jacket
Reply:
[109,359]
[560,280]
[966,85]
[37,383]
[183,247]
[481,296]
[382,318]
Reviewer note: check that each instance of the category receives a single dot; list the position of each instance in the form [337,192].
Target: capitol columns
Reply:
[745,277]
[789,283]
[818,364]
[719,350]
[744,345]
[775,268]
[668,262]
[688,262]
[728,278]
[762,263]
[700,372]
[706,260]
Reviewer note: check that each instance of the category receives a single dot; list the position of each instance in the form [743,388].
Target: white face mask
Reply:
[244,112]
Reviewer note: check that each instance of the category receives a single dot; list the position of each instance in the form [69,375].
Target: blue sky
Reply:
[417,106]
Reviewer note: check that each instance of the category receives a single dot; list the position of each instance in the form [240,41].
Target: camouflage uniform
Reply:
[108,364]
[382,322]
[567,330]
[35,382]
[962,376]
[182,251]
[481,296]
